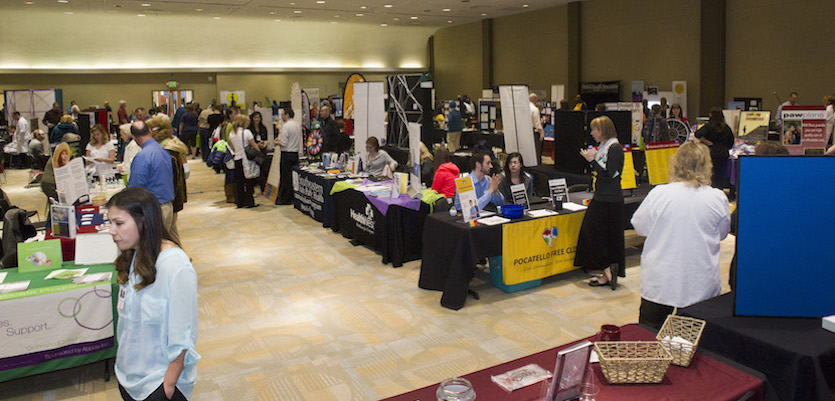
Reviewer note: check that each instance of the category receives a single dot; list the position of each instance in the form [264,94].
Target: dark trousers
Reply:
[285,186]
[157,395]
[653,314]
[537,147]
[243,186]
[204,143]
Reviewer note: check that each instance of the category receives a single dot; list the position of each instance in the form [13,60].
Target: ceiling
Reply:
[391,12]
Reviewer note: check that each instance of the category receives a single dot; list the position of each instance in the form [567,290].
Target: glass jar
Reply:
[455,389]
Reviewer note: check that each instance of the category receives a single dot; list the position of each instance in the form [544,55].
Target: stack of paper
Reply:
[492,221]
[573,206]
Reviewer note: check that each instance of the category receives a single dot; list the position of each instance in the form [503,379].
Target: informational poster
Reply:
[233,98]
[804,130]
[273,178]
[539,248]
[558,189]
[753,126]
[658,156]
[637,110]
[414,157]
[369,115]
[72,320]
[520,195]
[679,96]
[627,179]
[732,119]
[557,93]
[467,198]
[516,119]
[637,91]
[70,179]
[315,101]
[39,255]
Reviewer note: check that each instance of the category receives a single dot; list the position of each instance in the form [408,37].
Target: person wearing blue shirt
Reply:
[152,169]
[486,187]
[454,127]
[178,116]
[157,303]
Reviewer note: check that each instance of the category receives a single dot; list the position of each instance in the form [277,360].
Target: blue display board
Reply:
[786,236]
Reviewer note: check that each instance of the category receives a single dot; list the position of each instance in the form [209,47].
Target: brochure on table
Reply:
[39,255]
[467,198]
[62,221]
[71,183]
[804,130]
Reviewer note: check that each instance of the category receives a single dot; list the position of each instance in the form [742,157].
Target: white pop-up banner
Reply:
[516,118]
[369,115]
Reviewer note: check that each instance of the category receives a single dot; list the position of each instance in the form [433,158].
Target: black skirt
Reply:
[601,240]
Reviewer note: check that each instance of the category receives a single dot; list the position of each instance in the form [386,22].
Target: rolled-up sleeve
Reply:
[182,316]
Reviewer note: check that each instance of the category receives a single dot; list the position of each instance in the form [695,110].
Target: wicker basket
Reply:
[684,327]
[627,362]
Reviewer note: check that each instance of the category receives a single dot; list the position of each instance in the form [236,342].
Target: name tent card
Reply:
[520,195]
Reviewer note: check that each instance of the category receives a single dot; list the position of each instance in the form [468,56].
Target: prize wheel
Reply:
[677,130]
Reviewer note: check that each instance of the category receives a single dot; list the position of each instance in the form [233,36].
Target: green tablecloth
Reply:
[36,286]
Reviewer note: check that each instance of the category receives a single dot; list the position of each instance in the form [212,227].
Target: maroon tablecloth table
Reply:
[68,244]
[705,379]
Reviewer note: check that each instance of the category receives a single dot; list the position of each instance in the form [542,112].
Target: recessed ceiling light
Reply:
[384,24]
[215,17]
[277,20]
[447,9]
[198,9]
[396,19]
[63,1]
[525,5]
[334,22]
[413,17]
[363,7]
[359,15]
[320,2]
[140,15]
[28,2]
[68,12]
[146,4]
[298,11]
[336,16]
[388,6]
[483,14]
[272,12]
[292,3]
[449,22]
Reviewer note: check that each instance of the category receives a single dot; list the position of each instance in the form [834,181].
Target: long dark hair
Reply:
[507,165]
[144,208]
[716,118]
[261,129]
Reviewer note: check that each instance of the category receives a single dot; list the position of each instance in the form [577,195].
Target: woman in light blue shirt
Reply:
[157,305]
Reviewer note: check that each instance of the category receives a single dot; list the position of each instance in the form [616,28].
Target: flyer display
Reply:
[804,130]
[753,126]
[467,198]
[520,195]
[658,156]
[627,179]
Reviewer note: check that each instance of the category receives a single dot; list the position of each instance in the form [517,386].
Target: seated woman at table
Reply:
[378,159]
[514,174]
[101,152]
[445,173]
[684,222]
[601,242]
[157,305]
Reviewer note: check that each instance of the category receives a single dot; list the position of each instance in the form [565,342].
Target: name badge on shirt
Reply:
[120,304]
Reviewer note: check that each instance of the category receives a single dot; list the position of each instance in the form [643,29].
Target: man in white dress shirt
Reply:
[290,141]
[538,133]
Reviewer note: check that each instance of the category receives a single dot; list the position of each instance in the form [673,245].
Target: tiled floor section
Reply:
[292,311]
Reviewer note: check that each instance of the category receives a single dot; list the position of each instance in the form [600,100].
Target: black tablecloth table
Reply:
[796,354]
[470,139]
[396,236]
[311,195]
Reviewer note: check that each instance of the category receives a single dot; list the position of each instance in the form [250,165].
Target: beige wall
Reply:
[458,61]
[90,40]
[530,49]
[278,86]
[655,41]
[782,46]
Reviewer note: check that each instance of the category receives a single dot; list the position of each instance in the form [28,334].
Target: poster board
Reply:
[783,267]
[658,156]
[369,115]
[804,130]
[627,179]
[414,157]
[273,178]
[236,97]
[39,255]
[70,179]
[467,199]
[732,119]
[753,126]
[516,120]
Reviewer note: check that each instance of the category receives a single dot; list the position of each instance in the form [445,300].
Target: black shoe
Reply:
[595,283]
[253,206]
[614,281]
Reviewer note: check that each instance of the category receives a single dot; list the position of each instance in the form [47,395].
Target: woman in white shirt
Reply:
[101,152]
[684,221]
[246,171]
[157,302]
